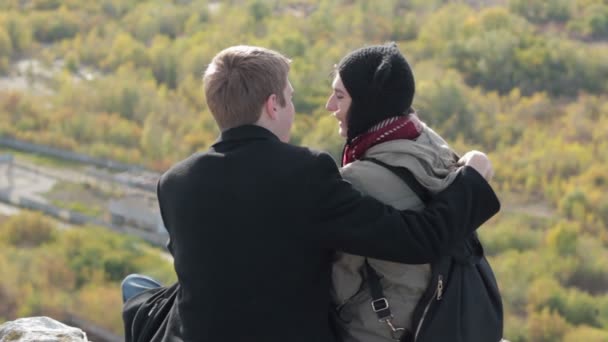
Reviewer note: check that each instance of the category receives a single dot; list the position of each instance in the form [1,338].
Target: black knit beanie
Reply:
[381,84]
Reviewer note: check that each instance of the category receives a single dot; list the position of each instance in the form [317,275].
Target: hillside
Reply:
[524,80]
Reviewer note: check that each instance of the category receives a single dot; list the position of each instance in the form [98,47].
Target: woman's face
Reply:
[339,102]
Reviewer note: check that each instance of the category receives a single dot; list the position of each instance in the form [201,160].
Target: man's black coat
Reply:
[253,225]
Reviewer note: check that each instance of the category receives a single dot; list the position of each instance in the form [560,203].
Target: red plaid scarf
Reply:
[397,127]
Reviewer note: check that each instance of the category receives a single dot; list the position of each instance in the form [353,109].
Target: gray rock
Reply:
[40,329]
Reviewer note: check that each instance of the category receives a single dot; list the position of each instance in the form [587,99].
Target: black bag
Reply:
[462,302]
[147,316]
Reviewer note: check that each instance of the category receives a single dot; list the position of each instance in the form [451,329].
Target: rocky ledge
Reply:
[40,329]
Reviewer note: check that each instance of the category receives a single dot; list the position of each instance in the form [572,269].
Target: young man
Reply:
[254,221]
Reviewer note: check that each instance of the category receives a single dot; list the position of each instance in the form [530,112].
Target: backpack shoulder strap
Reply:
[380,304]
[407,176]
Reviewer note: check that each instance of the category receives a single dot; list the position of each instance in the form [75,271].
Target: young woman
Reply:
[372,96]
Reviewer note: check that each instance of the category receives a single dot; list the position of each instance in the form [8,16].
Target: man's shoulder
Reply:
[287,154]
[186,167]
[315,158]
[303,154]
[313,153]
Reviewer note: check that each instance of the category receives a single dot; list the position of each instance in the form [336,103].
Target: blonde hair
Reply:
[240,79]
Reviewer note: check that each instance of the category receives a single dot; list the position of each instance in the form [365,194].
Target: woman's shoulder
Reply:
[379,182]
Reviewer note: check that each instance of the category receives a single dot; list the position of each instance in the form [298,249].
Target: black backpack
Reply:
[462,302]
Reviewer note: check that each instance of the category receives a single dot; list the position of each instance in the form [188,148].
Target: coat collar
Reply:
[245,132]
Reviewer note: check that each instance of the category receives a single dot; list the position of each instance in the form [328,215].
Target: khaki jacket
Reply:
[432,162]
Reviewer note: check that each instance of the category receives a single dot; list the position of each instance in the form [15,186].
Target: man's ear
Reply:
[270,106]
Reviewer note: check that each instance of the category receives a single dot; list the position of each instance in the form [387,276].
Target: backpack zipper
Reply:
[438,294]
[152,310]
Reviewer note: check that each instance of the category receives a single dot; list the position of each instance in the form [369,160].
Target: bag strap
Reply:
[379,302]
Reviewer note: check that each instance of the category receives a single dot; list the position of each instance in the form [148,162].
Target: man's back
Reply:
[238,218]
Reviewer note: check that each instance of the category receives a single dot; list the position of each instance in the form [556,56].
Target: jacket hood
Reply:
[429,157]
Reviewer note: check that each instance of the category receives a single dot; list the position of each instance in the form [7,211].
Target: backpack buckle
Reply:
[380,304]
[396,332]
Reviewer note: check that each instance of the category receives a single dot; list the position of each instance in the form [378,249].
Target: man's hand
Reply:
[480,162]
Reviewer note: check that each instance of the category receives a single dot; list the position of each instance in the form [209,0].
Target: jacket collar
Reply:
[245,132]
